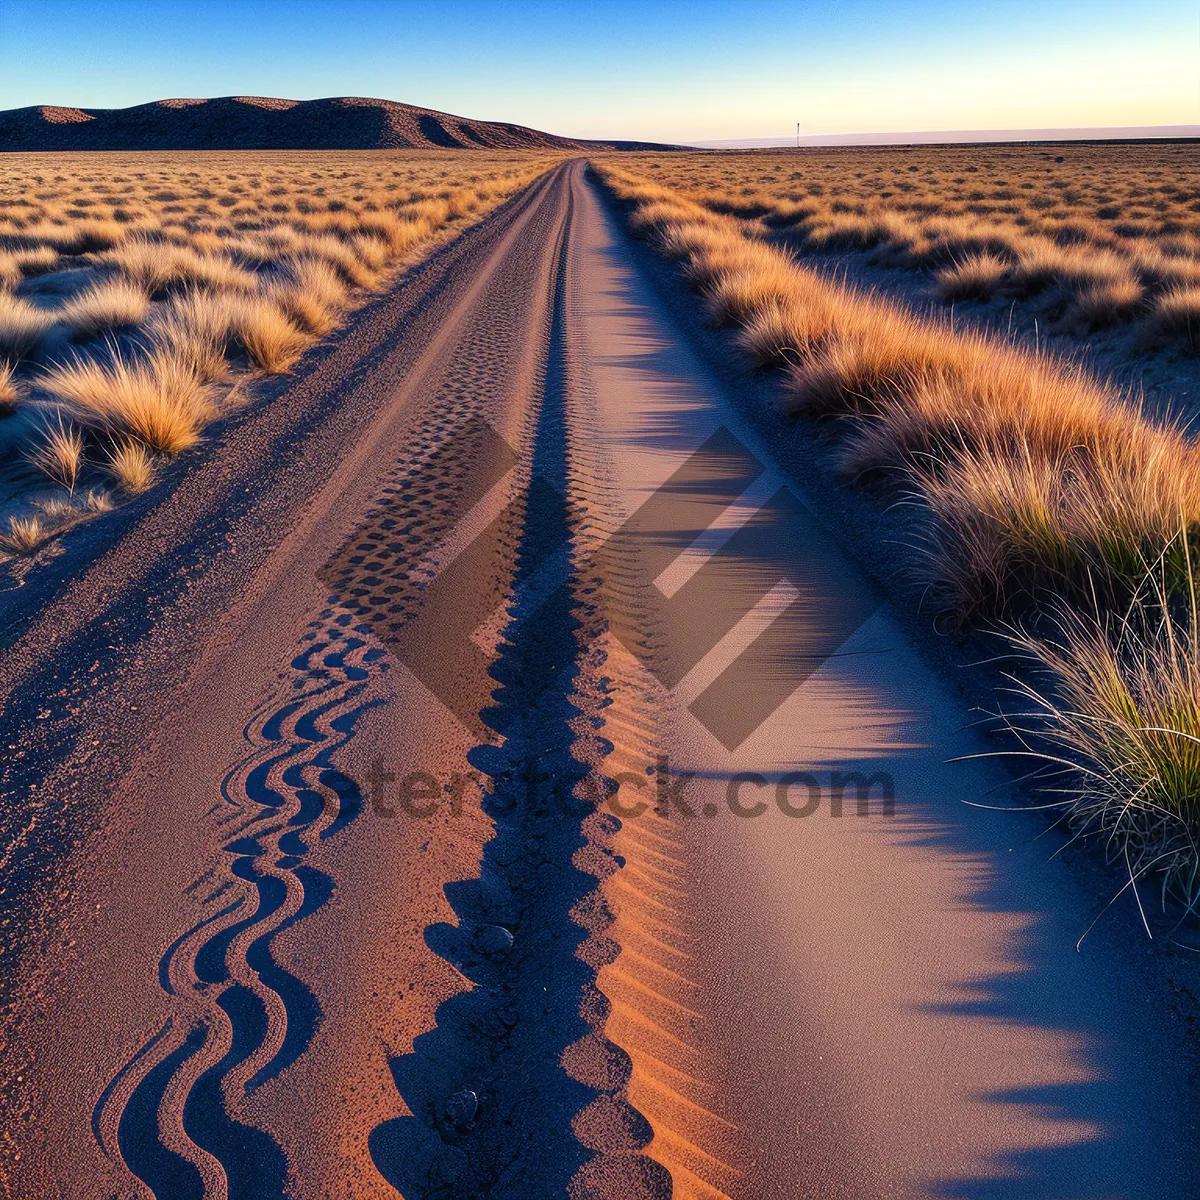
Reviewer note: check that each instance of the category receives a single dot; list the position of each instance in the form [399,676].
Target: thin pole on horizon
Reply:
[797,135]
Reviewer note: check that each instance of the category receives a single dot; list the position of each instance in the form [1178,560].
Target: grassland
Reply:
[1106,235]
[141,295]
[1055,510]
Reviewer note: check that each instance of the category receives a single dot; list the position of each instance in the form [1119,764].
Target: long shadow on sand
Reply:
[1116,1123]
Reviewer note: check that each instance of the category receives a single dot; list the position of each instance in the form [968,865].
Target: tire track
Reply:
[515,1093]
[646,979]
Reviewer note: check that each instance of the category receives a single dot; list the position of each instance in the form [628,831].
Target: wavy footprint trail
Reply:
[240,1018]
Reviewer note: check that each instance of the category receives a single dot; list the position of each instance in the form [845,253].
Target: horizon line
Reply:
[965,136]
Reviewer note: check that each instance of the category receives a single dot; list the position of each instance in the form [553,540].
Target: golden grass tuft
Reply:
[112,305]
[200,329]
[1105,303]
[1177,312]
[1015,526]
[158,401]
[22,326]
[159,268]
[88,236]
[58,453]
[785,331]
[341,257]
[193,330]
[132,467]
[17,265]
[11,391]
[982,401]
[876,354]
[57,511]
[312,297]
[735,290]
[1113,713]
[24,536]
[260,327]
[978,277]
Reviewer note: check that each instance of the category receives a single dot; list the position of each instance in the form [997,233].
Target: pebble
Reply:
[493,940]
[460,1108]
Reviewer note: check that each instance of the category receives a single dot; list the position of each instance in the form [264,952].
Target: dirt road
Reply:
[482,775]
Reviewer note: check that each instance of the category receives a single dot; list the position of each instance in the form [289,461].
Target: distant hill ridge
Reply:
[268,123]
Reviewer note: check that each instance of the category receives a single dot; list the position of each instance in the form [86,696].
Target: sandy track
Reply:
[509,539]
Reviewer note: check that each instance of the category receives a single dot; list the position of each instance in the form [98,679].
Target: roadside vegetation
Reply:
[142,294]
[1097,235]
[1056,511]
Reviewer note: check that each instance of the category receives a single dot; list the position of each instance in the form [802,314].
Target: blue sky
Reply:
[653,68]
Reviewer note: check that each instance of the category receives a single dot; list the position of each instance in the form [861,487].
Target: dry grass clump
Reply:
[357,263]
[86,237]
[1107,303]
[59,510]
[159,267]
[1164,271]
[132,467]
[157,401]
[787,330]
[878,354]
[976,401]
[741,280]
[1040,484]
[262,329]
[18,265]
[112,305]
[58,454]
[1103,230]
[312,295]
[1178,312]
[22,326]
[1013,524]
[194,330]
[11,390]
[977,277]
[1114,714]
[24,535]
[200,330]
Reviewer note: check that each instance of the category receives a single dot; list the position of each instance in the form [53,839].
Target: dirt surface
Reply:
[487,776]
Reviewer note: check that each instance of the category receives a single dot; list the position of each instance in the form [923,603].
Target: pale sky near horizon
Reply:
[654,69]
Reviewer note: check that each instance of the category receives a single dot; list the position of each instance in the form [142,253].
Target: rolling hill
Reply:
[267,123]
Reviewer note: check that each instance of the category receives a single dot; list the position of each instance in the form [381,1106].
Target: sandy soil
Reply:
[512,540]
